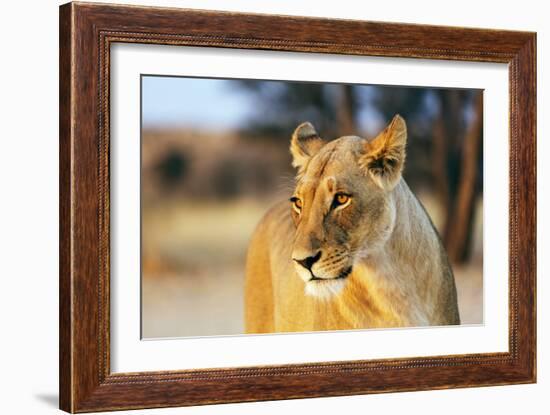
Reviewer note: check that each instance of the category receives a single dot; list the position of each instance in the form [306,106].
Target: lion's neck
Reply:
[385,287]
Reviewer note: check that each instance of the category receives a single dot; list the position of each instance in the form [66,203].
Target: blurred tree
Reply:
[173,168]
[282,106]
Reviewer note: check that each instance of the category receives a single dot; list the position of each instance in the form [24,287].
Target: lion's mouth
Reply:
[342,275]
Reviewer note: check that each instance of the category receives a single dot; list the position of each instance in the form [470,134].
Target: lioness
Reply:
[355,248]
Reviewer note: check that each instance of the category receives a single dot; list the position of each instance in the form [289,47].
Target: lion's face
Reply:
[342,205]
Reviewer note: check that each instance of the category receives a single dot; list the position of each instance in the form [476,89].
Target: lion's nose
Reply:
[308,262]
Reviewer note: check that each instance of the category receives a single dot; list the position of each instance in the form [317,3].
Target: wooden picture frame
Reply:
[86,33]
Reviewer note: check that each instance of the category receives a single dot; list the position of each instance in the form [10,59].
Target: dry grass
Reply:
[193,267]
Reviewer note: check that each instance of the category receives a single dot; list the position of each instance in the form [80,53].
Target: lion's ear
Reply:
[384,156]
[304,144]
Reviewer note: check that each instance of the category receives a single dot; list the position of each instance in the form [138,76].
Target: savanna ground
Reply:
[193,284]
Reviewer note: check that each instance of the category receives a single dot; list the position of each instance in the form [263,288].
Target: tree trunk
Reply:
[346,111]
[439,166]
[462,220]
[447,129]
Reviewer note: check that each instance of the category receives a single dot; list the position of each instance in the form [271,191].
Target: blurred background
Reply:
[215,158]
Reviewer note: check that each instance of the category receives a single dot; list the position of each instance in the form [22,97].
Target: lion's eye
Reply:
[341,199]
[296,204]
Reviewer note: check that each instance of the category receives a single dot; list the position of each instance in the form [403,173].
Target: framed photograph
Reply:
[258,207]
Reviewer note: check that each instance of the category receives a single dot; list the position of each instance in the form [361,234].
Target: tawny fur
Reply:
[400,275]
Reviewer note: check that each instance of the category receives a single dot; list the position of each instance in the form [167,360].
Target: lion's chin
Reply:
[325,289]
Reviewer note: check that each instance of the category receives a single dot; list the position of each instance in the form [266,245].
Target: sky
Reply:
[215,103]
